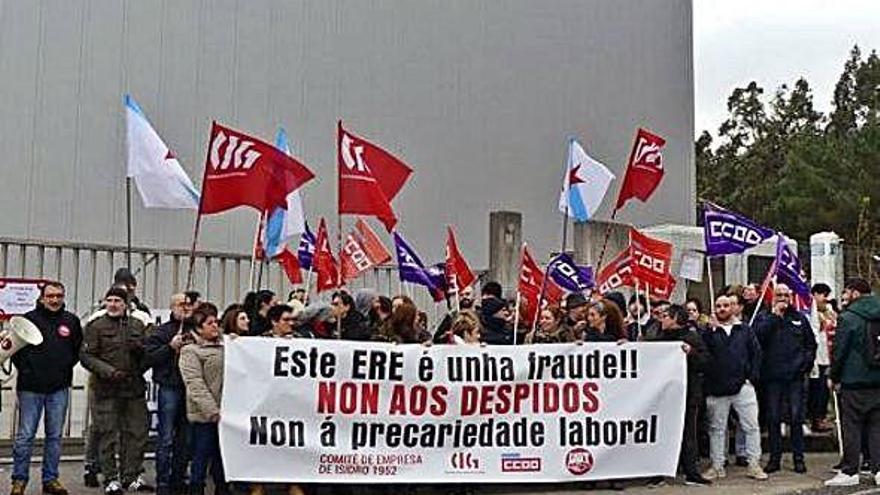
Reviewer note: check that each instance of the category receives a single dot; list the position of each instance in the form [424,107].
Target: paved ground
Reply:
[786,482]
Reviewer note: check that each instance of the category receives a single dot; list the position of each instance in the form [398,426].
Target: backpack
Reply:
[872,343]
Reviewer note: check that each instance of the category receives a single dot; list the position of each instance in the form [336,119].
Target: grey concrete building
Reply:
[479,97]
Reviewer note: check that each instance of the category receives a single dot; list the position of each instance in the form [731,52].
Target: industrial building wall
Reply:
[478,97]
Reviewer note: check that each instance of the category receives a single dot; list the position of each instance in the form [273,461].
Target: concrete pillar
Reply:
[505,242]
[736,270]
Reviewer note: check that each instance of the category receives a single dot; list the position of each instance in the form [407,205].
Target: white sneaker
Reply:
[843,479]
[714,473]
[755,472]
[877,479]
[114,488]
[140,485]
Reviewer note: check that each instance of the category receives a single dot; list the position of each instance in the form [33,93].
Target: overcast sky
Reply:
[775,42]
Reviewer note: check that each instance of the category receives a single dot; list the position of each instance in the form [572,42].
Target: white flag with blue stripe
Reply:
[283,225]
[157,174]
[585,184]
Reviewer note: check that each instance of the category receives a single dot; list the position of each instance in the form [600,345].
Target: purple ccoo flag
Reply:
[410,266]
[568,275]
[790,273]
[727,232]
[306,250]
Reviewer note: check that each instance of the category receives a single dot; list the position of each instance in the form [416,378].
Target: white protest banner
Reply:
[19,295]
[691,266]
[335,411]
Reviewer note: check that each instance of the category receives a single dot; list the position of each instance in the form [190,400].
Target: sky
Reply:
[775,42]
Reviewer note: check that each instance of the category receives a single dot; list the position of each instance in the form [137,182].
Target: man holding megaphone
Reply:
[45,373]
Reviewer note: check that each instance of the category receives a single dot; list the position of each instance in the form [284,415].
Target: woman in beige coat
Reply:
[201,366]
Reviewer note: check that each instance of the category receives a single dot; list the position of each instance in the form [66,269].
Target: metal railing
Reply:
[87,271]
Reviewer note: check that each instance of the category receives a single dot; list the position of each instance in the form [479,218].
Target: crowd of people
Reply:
[767,361]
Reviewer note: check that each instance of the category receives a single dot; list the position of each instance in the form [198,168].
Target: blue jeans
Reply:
[206,450]
[31,406]
[775,394]
[172,439]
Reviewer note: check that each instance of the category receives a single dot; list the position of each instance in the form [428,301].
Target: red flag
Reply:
[369,178]
[241,170]
[458,274]
[664,292]
[651,258]
[531,281]
[352,259]
[323,263]
[617,273]
[374,248]
[645,168]
[290,264]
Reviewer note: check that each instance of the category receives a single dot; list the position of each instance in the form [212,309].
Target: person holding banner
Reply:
[604,323]
[575,323]
[201,367]
[788,349]
[735,366]
[550,330]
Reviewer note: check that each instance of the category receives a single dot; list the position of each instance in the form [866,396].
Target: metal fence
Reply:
[87,271]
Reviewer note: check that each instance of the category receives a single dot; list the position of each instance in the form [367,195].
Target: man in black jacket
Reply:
[674,327]
[45,373]
[789,349]
[735,365]
[162,349]
[352,324]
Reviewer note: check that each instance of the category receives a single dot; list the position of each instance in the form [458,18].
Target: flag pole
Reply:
[638,313]
[308,284]
[254,251]
[711,284]
[128,222]
[516,317]
[192,253]
[605,240]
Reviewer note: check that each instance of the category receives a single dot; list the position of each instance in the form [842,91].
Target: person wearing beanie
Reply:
[113,351]
[123,277]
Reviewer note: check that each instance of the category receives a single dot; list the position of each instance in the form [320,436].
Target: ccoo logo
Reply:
[237,154]
[738,233]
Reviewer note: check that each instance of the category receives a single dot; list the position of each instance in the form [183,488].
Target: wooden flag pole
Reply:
[254,252]
[516,317]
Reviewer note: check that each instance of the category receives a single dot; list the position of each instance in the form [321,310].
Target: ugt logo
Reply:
[237,153]
[352,156]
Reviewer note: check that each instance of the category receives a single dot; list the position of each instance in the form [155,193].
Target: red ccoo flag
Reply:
[241,170]
[458,274]
[645,168]
[616,274]
[361,251]
[369,178]
[323,261]
[374,248]
[650,259]
[531,281]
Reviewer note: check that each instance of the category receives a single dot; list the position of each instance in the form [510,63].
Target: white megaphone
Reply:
[14,335]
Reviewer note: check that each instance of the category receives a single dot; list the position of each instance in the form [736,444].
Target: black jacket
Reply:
[48,367]
[697,360]
[259,325]
[788,345]
[355,326]
[161,357]
[650,330]
[735,359]
[593,335]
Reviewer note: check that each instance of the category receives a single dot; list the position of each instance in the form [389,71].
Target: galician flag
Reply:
[156,172]
[585,184]
[283,225]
